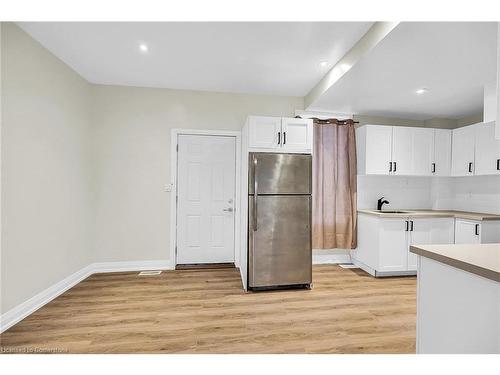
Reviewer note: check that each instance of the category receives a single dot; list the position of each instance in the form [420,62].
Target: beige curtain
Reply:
[334,185]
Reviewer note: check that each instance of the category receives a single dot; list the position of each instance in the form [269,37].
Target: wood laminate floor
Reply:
[206,311]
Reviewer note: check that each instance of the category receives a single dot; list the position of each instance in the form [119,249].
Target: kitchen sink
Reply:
[393,212]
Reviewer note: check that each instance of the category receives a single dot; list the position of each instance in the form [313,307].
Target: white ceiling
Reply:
[452,60]
[244,57]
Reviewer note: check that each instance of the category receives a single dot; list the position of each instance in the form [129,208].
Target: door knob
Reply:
[230,209]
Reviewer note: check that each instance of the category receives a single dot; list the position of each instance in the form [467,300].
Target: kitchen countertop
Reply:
[432,213]
[479,259]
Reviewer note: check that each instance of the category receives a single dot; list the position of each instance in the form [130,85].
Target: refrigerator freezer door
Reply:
[280,249]
[280,173]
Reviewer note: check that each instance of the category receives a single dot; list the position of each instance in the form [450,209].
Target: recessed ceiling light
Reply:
[323,63]
[421,91]
[143,47]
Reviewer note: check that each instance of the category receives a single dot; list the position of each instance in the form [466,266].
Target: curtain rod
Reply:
[330,121]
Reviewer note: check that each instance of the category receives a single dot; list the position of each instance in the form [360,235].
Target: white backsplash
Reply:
[474,193]
[401,192]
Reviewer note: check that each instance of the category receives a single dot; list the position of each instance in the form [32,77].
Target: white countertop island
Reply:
[458,298]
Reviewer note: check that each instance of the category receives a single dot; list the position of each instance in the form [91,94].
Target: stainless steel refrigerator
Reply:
[279,220]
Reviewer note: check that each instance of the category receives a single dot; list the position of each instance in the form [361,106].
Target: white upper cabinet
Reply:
[297,134]
[373,147]
[441,160]
[264,132]
[395,150]
[277,134]
[462,151]
[422,150]
[487,150]
[475,151]
[402,150]
[410,151]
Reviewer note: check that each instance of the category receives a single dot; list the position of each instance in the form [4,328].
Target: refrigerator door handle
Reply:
[255,187]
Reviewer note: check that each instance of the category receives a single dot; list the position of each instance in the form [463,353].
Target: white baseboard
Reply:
[28,307]
[21,311]
[145,265]
[333,256]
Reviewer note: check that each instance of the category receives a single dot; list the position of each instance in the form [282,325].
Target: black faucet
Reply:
[380,203]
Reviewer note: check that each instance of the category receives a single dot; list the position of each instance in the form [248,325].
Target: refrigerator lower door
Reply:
[280,248]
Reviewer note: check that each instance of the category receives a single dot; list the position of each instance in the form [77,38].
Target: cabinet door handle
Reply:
[394,166]
[411,229]
[498,164]
[279,137]
[470,167]
[476,229]
[406,230]
[390,166]
[284,138]
[433,167]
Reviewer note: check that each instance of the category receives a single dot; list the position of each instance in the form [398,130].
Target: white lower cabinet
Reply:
[426,231]
[420,232]
[384,243]
[393,240]
[467,232]
[474,232]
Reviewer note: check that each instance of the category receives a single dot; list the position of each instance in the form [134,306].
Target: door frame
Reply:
[174,142]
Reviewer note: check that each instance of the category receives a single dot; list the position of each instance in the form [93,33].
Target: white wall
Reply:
[132,128]
[46,195]
[84,166]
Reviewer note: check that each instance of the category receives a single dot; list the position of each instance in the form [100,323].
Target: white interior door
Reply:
[206,196]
